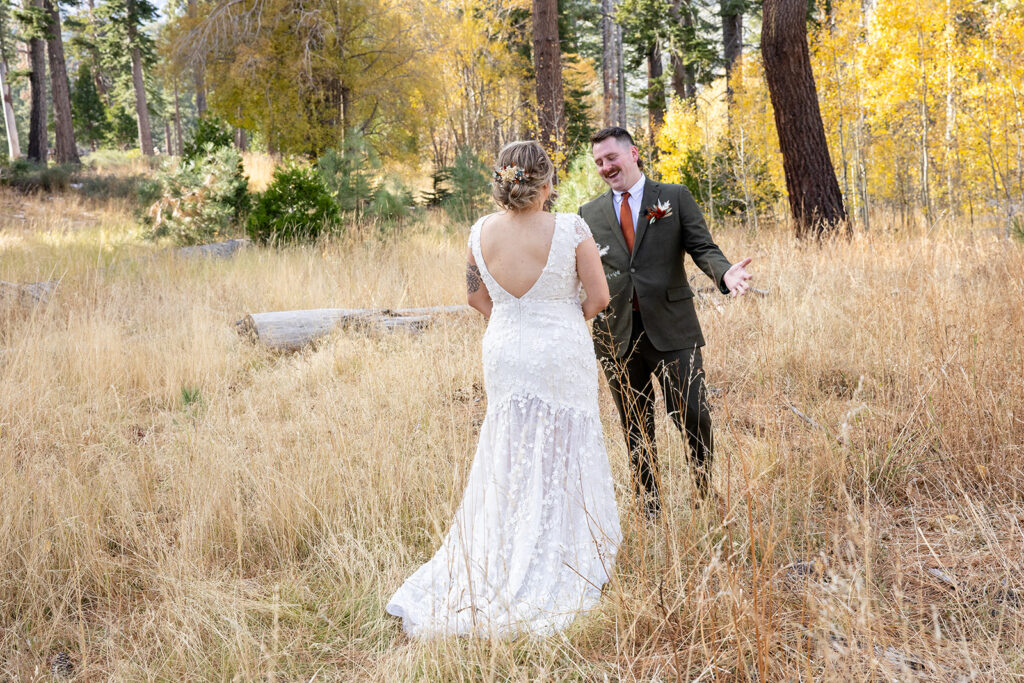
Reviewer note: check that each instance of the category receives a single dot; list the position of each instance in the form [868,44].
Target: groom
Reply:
[650,328]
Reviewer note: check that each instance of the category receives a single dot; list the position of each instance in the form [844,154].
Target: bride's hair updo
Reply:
[522,168]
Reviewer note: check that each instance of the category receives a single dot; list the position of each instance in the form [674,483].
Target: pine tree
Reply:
[126,51]
[87,110]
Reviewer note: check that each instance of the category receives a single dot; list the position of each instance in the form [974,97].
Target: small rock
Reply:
[62,666]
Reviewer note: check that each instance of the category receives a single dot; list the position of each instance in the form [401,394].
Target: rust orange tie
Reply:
[626,221]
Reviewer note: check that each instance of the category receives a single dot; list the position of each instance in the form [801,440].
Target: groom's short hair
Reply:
[620,134]
[617,132]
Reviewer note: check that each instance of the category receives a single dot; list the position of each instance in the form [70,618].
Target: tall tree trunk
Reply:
[547,57]
[610,63]
[198,75]
[60,91]
[684,74]
[37,144]
[200,85]
[10,123]
[621,94]
[614,80]
[179,149]
[241,140]
[732,38]
[814,196]
[655,95]
[139,85]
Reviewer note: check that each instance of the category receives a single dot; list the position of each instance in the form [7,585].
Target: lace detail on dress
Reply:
[536,533]
[581,230]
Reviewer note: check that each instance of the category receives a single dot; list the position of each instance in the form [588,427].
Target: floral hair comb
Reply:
[510,174]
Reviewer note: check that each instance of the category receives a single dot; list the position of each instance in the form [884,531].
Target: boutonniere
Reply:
[659,210]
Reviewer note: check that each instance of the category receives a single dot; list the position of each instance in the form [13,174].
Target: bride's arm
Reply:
[588,266]
[476,291]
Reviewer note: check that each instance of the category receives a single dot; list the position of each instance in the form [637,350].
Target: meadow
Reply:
[181,504]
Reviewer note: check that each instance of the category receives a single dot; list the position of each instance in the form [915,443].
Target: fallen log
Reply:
[292,330]
[215,250]
[28,294]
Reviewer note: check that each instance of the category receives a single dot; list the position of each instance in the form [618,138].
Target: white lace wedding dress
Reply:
[535,536]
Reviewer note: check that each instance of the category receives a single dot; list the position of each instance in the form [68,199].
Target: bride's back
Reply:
[516,248]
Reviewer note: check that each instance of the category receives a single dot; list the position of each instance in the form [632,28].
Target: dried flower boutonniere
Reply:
[659,210]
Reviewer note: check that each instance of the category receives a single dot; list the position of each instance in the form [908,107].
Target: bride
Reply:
[534,538]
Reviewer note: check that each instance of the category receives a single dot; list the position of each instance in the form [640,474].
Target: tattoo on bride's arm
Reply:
[473,280]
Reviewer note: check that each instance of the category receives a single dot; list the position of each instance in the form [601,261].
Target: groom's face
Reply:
[617,163]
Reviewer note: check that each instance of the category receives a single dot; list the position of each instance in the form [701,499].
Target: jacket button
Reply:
[632,270]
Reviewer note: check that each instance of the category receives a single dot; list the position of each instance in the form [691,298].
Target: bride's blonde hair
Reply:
[522,168]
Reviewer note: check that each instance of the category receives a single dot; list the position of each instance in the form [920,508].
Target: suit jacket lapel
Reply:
[652,191]
[608,201]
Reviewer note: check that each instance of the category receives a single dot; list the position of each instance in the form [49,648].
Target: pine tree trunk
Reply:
[37,143]
[60,92]
[609,79]
[198,77]
[141,111]
[611,65]
[814,197]
[200,86]
[179,149]
[684,75]
[10,123]
[655,95]
[547,56]
[620,68]
[732,38]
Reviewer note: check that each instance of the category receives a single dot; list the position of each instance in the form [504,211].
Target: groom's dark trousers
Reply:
[681,376]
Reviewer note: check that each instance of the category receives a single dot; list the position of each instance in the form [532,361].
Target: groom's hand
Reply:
[737,278]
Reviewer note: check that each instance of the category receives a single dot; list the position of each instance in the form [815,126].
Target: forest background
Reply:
[921,104]
[182,503]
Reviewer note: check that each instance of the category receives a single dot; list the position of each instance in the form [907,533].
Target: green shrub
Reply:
[438,192]
[202,199]
[297,206]
[717,183]
[393,204]
[211,133]
[348,173]
[27,176]
[471,184]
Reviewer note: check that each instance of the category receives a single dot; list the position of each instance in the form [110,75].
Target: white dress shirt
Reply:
[636,198]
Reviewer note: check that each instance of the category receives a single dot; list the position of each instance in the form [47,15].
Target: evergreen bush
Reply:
[470,179]
[27,176]
[717,181]
[296,207]
[211,133]
[204,198]
[348,173]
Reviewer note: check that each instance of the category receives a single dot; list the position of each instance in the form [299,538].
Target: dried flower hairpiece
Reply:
[510,174]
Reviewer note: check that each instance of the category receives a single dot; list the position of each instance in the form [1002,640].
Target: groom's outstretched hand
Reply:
[737,279]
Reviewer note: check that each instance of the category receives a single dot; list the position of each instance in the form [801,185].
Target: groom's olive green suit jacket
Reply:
[654,269]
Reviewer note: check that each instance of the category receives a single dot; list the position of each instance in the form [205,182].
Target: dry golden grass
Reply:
[259,168]
[179,504]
